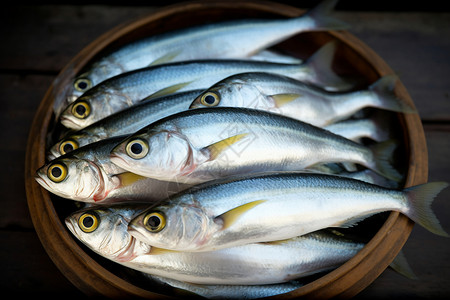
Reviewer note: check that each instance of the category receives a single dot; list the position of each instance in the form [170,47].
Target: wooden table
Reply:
[38,40]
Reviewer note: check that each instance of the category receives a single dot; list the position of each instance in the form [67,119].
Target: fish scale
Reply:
[240,140]
[273,207]
[253,264]
[216,40]
[124,90]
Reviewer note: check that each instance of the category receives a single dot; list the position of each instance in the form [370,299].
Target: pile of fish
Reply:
[214,164]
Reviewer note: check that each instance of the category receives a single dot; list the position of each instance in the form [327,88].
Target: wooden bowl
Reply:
[96,276]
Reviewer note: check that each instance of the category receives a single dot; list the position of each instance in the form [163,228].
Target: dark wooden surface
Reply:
[38,40]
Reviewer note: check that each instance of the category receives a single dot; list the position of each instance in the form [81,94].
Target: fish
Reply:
[376,128]
[275,56]
[104,230]
[221,291]
[199,145]
[365,175]
[273,207]
[296,99]
[124,122]
[225,39]
[87,175]
[127,89]
[399,264]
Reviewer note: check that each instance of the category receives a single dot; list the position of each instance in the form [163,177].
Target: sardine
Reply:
[87,174]
[127,121]
[127,89]
[229,39]
[104,230]
[293,98]
[221,291]
[372,128]
[204,144]
[273,207]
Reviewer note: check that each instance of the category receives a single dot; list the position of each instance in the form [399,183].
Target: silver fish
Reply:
[104,230]
[209,143]
[293,98]
[229,39]
[127,89]
[399,264]
[230,291]
[275,207]
[124,122]
[275,56]
[373,128]
[86,174]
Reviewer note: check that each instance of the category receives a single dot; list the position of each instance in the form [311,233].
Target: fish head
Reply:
[174,227]
[79,113]
[74,178]
[104,230]
[72,142]
[160,154]
[234,91]
[96,104]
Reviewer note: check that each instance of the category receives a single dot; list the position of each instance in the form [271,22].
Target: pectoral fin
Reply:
[214,150]
[160,251]
[165,58]
[231,216]
[283,99]
[129,178]
[169,90]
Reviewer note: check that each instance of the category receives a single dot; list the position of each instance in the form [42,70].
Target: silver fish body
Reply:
[125,122]
[210,143]
[293,98]
[127,89]
[274,207]
[216,291]
[104,230]
[87,175]
[358,129]
[229,39]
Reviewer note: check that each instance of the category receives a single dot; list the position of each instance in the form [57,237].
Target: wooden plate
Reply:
[94,276]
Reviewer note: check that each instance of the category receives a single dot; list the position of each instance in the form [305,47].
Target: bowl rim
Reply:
[93,279]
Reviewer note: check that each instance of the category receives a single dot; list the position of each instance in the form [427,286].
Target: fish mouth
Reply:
[67,122]
[118,160]
[41,181]
[195,104]
[134,231]
[70,225]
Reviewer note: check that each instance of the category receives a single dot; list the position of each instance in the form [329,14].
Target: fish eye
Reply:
[88,222]
[210,99]
[154,221]
[82,84]
[67,146]
[137,148]
[81,109]
[57,172]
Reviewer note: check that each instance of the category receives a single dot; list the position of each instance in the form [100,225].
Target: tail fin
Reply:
[420,198]
[321,18]
[383,153]
[383,88]
[320,64]
[401,266]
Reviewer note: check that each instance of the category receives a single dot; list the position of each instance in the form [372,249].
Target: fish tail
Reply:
[321,18]
[383,153]
[419,200]
[320,64]
[400,265]
[384,90]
